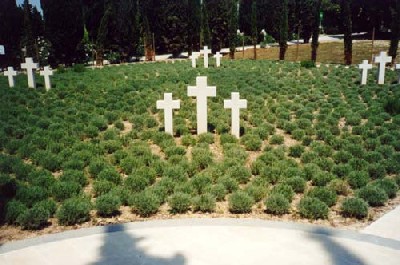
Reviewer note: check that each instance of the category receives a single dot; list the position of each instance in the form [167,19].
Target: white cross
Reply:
[206,52]
[235,104]
[194,57]
[201,91]
[11,76]
[365,66]
[168,105]
[47,73]
[382,59]
[218,57]
[398,67]
[29,65]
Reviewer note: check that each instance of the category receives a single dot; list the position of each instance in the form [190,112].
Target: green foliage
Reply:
[257,192]
[341,187]
[74,176]
[308,64]
[388,185]
[63,190]
[136,183]
[101,187]
[354,207]
[205,203]
[179,202]
[251,142]
[298,184]
[110,174]
[30,195]
[321,178]
[285,190]
[277,204]
[34,218]
[373,195]
[14,209]
[276,139]
[240,202]
[107,204]
[146,203]
[324,194]
[296,150]
[218,191]
[74,211]
[313,208]
[358,179]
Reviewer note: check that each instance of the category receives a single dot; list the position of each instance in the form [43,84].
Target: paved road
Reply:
[204,242]
[387,226]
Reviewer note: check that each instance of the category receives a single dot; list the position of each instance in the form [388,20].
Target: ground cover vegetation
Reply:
[315,144]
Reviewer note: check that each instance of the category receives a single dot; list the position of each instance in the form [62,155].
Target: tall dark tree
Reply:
[283,29]
[218,11]
[394,41]
[233,26]
[28,39]
[254,31]
[194,25]
[64,29]
[316,29]
[205,25]
[345,8]
[10,33]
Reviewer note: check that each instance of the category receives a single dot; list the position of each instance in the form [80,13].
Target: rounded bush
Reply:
[146,203]
[74,176]
[376,171]
[276,139]
[34,218]
[298,184]
[341,187]
[96,166]
[63,190]
[240,173]
[201,157]
[251,142]
[205,203]
[107,204]
[373,195]
[296,150]
[285,190]
[322,178]
[230,184]
[50,205]
[30,195]
[101,187]
[14,209]
[136,183]
[388,185]
[277,204]
[179,202]
[201,183]
[240,202]
[218,191]
[312,208]
[323,194]
[358,179]
[207,138]
[110,174]
[256,192]
[74,211]
[354,207]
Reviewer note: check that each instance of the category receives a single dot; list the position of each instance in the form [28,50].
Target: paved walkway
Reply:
[204,242]
[387,226]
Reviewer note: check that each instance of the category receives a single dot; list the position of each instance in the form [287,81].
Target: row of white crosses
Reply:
[30,67]
[206,52]
[382,60]
[202,91]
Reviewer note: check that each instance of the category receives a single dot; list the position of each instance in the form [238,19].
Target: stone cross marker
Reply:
[398,67]
[218,57]
[194,57]
[47,73]
[382,59]
[235,104]
[168,105]
[11,76]
[206,52]
[201,91]
[365,66]
[29,65]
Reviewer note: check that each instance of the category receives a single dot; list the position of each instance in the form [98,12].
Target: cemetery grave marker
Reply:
[201,91]
[11,76]
[382,59]
[398,68]
[218,57]
[168,105]
[194,57]
[235,104]
[47,73]
[365,66]
[29,65]
[206,52]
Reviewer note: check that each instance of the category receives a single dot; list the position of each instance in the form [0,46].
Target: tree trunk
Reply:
[347,28]
[316,29]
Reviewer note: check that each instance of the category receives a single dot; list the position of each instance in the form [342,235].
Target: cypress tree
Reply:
[394,41]
[233,25]
[254,31]
[283,29]
[28,41]
[205,25]
[315,35]
[345,8]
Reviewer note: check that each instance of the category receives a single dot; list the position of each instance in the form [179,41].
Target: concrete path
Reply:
[387,226]
[204,242]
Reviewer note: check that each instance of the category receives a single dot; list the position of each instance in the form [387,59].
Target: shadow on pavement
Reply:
[121,248]
[339,255]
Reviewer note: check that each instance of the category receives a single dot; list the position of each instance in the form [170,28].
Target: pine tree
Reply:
[283,29]
[394,41]
[345,7]
[316,29]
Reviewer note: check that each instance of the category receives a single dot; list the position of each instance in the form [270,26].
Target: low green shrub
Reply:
[96,166]
[276,139]
[179,203]
[201,183]
[388,185]
[188,140]
[308,64]
[277,204]
[107,204]
[313,208]
[285,190]
[146,203]
[341,170]
[240,173]
[74,211]
[251,142]
[324,194]
[110,174]
[298,184]
[136,183]
[34,218]
[74,176]
[63,190]
[322,178]
[240,202]
[201,157]
[205,203]
[14,209]
[354,207]
[207,138]
[30,195]
[376,171]
[218,191]
[373,195]
[101,187]
[256,192]
[358,179]
[296,150]
[50,205]
[341,187]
